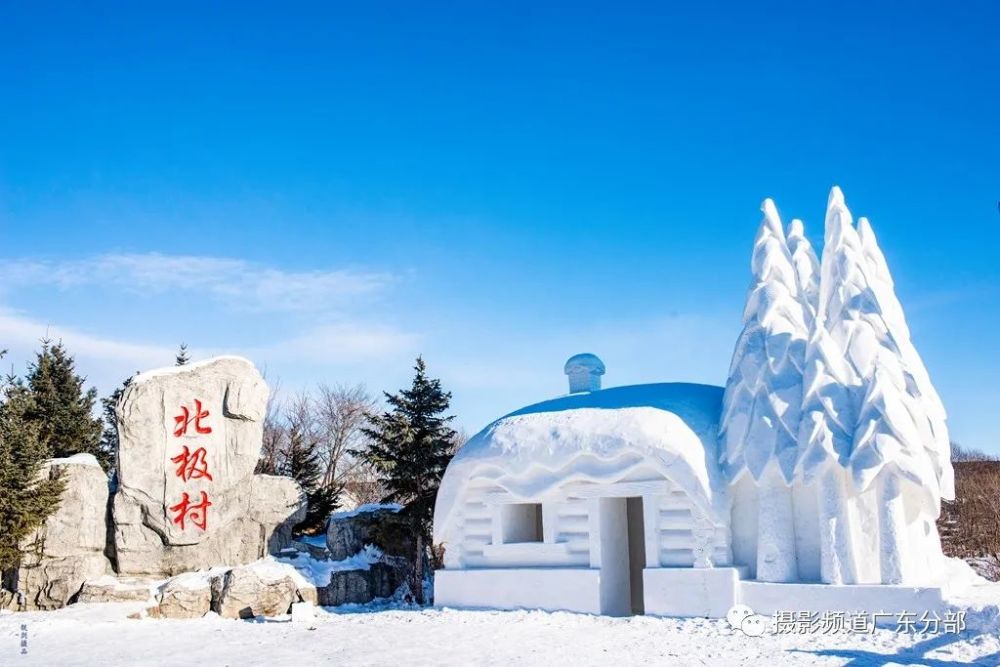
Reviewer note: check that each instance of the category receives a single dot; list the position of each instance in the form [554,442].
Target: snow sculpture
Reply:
[811,482]
[826,433]
[584,372]
[917,379]
[764,396]
[806,267]
[865,416]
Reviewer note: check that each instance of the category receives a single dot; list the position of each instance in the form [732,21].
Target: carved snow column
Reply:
[703,532]
[893,546]
[776,560]
[837,561]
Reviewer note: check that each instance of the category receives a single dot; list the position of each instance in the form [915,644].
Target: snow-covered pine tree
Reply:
[182,358]
[826,433]
[61,408]
[409,447]
[917,379]
[763,397]
[806,268]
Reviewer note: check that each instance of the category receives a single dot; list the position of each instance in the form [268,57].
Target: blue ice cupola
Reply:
[584,371]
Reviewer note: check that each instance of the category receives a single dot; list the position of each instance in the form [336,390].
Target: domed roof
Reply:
[584,362]
[601,437]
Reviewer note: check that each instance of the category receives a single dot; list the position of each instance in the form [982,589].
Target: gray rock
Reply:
[190,437]
[68,548]
[260,589]
[186,596]
[381,580]
[110,589]
[384,528]
[313,551]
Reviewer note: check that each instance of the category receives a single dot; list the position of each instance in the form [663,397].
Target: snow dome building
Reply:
[811,482]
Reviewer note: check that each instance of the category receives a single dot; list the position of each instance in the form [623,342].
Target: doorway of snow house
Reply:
[623,556]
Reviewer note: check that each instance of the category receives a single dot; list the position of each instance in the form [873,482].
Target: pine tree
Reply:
[109,436]
[409,447]
[60,407]
[302,462]
[25,498]
[182,357]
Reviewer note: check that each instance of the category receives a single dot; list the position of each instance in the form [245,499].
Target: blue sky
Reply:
[333,188]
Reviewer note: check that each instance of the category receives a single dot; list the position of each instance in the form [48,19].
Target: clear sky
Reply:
[332,189]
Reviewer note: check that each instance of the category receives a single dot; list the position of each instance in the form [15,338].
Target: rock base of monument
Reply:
[68,548]
[269,508]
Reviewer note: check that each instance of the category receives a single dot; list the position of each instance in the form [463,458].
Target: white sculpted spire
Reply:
[761,405]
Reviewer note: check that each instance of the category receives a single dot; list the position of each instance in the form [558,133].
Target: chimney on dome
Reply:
[584,371]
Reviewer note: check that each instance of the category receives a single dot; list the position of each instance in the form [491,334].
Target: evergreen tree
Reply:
[303,463]
[409,447]
[25,498]
[60,407]
[109,437]
[182,357]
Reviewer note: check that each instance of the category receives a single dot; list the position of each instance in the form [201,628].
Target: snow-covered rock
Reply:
[68,548]
[347,533]
[263,588]
[381,580]
[190,437]
[369,555]
[187,595]
[111,589]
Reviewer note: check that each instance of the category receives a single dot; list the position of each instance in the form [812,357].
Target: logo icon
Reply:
[742,618]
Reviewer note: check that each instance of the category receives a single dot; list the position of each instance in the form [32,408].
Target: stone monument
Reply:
[188,498]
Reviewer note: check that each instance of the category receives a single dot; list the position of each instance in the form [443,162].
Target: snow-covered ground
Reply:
[101,634]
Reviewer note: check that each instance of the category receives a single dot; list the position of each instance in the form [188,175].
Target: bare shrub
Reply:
[970,525]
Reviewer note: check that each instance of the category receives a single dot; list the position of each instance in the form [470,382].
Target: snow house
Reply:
[601,501]
[810,483]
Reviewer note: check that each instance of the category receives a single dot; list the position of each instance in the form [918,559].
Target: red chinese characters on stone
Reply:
[197,513]
[183,420]
[192,465]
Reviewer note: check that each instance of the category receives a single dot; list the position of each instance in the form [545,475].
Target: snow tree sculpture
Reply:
[867,415]
[898,446]
[761,405]
[826,433]
[806,267]
[915,373]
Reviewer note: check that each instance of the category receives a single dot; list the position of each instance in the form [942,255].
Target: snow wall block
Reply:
[549,589]
[767,598]
[686,592]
